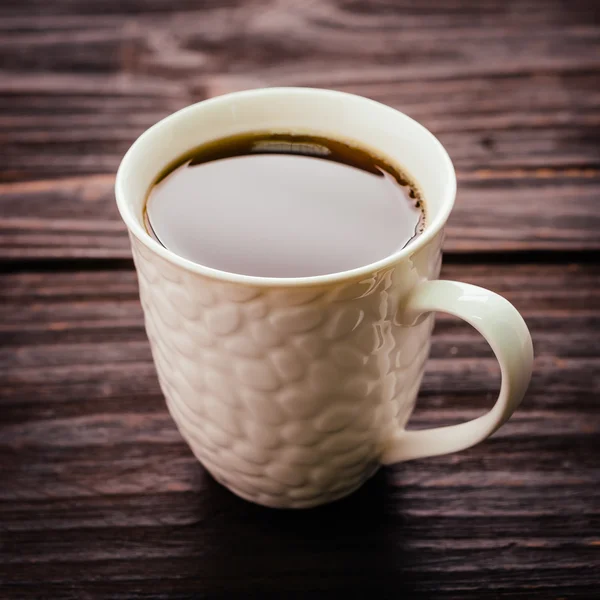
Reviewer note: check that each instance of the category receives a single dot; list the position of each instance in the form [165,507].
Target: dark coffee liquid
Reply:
[283,205]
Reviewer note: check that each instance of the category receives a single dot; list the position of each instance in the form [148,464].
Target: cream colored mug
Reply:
[292,392]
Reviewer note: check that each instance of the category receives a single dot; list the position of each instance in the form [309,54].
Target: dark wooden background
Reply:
[99,496]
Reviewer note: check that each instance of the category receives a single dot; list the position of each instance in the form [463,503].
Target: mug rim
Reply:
[136,229]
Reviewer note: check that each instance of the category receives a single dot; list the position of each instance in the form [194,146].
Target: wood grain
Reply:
[75,333]
[512,93]
[100,491]
[77,217]
[99,496]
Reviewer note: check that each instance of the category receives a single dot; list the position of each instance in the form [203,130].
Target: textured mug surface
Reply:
[293,392]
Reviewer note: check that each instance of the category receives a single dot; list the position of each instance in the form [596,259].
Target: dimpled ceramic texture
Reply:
[287,395]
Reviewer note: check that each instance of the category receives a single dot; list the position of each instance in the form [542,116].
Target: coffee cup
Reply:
[292,392]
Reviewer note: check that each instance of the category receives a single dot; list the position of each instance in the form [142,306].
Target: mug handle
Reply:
[505,331]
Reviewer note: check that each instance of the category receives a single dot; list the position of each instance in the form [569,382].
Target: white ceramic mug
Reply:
[293,391]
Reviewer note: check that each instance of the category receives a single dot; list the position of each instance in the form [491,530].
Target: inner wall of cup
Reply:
[340,116]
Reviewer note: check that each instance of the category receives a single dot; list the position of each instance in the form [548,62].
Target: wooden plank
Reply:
[521,126]
[544,210]
[122,516]
[113,76]
[537,121]
[141,508]
[77,340]
[300,41]
[75,366]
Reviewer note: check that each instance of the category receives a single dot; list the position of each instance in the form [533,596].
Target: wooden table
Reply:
[100,497]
